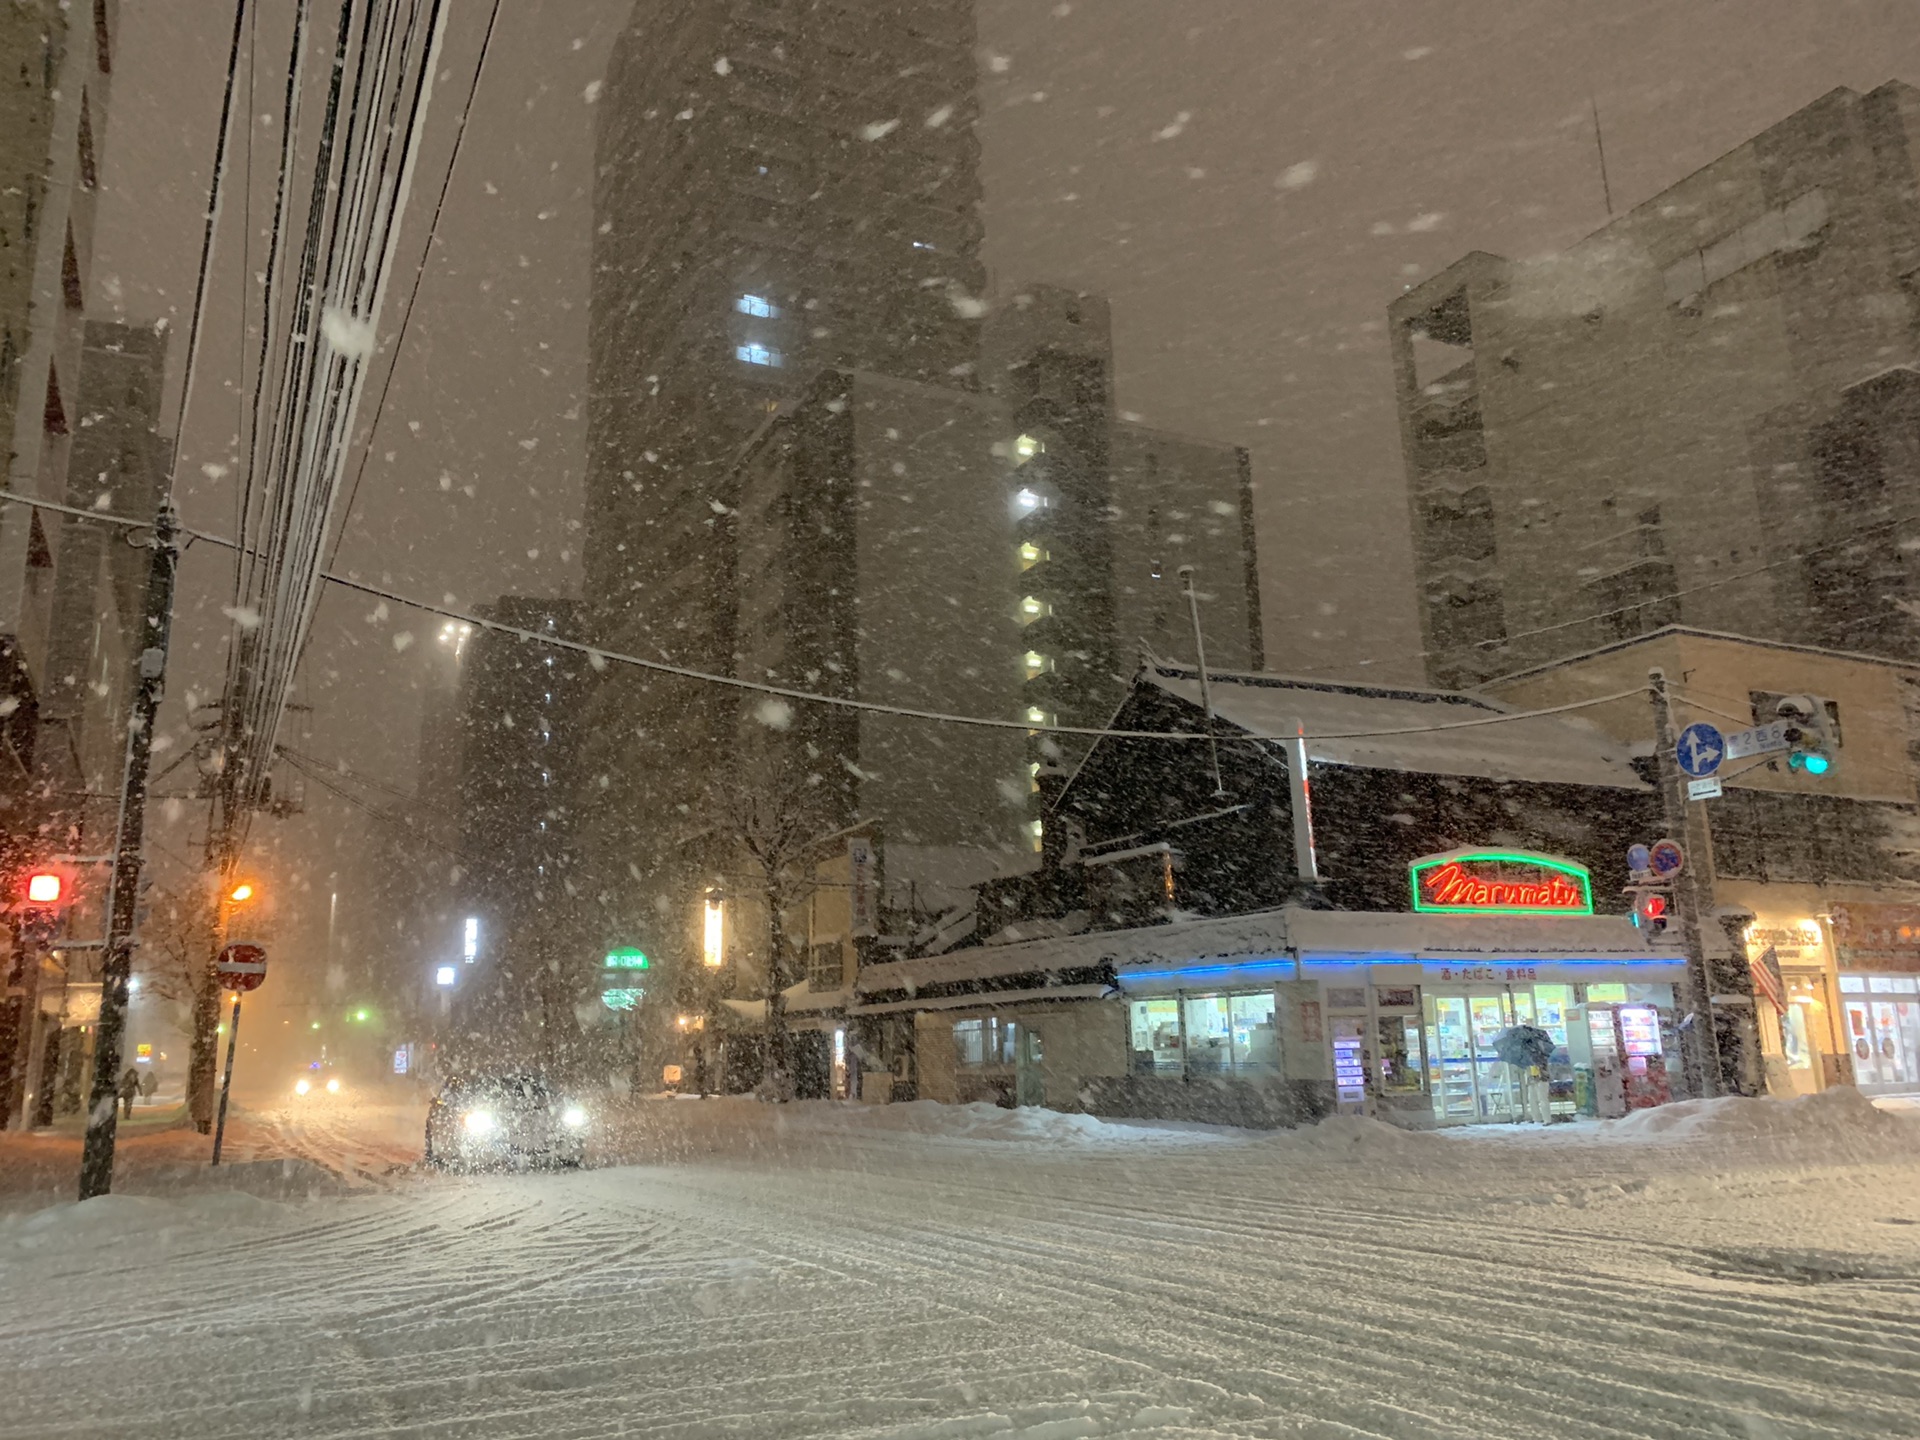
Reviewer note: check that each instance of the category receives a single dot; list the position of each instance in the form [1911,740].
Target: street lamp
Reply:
[713,947]
[242,893]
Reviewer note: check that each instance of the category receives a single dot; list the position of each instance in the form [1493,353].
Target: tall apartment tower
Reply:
[53,107]
[783,186]
[1707,412]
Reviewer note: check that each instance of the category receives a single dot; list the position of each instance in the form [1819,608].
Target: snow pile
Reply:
[1353,1137]
[981,1121]
[84,1226]
[1841,1116]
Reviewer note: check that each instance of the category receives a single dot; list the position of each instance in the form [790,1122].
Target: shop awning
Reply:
[987,999]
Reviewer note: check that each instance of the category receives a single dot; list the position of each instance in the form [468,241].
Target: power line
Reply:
[413,293]
[599,658]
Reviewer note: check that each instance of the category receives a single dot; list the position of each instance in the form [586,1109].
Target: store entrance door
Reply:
[1466,1077]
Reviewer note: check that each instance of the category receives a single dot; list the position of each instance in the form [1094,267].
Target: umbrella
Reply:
[1523,1045]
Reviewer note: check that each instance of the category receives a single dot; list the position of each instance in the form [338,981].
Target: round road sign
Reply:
[1701,749]
[1639,859]
[1667,857]
[242,965]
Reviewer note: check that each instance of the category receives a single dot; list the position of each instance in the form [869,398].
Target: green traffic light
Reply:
[359,1014]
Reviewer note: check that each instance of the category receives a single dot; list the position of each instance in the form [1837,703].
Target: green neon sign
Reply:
[627,958]
[1499,882]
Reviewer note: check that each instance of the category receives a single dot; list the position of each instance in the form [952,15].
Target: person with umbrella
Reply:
[1528,1048]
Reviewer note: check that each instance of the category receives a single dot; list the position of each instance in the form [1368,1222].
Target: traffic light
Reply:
[1651,911]
[1809,735]
[44,887]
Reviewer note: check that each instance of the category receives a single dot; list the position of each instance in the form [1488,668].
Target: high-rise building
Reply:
[1704,413]
[521,709]
[53,110]
[816,462]
[783,186]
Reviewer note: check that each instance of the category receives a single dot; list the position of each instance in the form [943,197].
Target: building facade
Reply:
[1190,951]
[52,125]
[1823,870]
[1704,413]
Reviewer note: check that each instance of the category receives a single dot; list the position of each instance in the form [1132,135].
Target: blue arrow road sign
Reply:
[1701,749]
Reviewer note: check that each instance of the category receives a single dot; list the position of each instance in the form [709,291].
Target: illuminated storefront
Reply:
[1801,1044]
[1877,948]
[1282,1015]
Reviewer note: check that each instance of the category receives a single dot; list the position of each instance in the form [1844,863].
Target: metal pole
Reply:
[226,1081]
[1697,991]
[96,1161]
[1206,686]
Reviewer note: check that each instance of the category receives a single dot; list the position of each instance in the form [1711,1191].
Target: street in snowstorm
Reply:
[1734,1268]
[932,719]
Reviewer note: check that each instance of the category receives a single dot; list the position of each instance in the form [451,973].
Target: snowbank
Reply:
[116,1219]
[981,1121]
[1838,1116]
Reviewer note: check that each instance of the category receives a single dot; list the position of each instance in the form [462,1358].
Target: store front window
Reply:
[1883,1028]
[1611,1043]
[1205,1035]
[984,1044]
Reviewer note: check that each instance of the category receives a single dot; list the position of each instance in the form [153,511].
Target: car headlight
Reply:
[574,1118]
[333,1087]
[479,1122]
[300,1086]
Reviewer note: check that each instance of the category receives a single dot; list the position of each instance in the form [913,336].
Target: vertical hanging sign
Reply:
[862,903]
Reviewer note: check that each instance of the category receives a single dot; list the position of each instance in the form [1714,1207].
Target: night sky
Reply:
[1249,181]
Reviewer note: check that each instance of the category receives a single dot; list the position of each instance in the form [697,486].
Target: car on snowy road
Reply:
[504,1121]
[316,1080]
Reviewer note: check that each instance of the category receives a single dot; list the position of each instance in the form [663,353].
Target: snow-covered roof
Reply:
[1342,721]
[1386,935]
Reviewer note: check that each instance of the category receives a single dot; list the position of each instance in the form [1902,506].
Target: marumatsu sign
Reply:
[1499,882]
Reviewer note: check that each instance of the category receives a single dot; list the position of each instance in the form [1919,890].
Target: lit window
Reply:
[923,245]
[1037,664]
[1025,448]
[1036,833]
[470,946]
[756,305]
[1033,776]
[756,354]
[1038,716]
[1028,501]
[1032,610]
[1031,555]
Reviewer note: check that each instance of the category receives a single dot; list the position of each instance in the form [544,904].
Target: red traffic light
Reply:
[45,888]
[1651,912]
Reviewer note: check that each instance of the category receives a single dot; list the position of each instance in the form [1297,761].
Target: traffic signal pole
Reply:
[1675,811]
[96,1161]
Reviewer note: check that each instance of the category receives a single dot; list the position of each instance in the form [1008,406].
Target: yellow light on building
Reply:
[1025,448]
[1037,716]
[1037,831]
[1030,555]
[1032,608]
[1036,663]
[713,938]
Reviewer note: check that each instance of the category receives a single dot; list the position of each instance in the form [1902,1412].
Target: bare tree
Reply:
[175,939]
[773,829]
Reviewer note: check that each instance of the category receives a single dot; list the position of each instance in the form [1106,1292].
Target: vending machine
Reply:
[1645,1068]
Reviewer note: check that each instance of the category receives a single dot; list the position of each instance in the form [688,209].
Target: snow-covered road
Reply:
[1751,1271]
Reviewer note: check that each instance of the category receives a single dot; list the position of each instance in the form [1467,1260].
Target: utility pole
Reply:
[1206,687]
[1675,811]
[96,1161]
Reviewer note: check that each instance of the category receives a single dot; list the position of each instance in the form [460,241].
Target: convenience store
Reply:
[1275,1017]
[1408,1012]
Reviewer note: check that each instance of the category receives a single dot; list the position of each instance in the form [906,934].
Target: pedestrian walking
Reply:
[149,1085]
[129,1087]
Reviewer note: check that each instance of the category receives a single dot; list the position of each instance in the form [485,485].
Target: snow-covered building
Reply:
[1702,413]
[1184,949]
